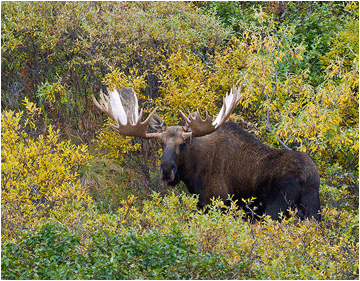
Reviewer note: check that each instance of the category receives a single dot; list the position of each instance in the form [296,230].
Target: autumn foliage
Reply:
[85,197]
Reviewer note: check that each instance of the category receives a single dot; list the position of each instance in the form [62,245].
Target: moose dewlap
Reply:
[218,159]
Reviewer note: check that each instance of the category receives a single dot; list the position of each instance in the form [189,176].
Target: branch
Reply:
[267,117]
[350,161]
[268,128]
[276,79]
[355,157]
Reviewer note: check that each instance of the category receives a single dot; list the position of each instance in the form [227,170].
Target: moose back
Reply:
[215,158]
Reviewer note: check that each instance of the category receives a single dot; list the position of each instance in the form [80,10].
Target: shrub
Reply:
[38,175]
[346,40]
[169,238]
[55,253]
[51,253]
[153,255]
[323,28]
[113,145]
[315,25]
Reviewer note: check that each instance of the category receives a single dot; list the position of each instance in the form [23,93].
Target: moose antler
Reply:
[122,107]
[204,127]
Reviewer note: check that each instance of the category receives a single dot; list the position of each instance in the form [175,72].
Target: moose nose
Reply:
[167,171]
[167,166]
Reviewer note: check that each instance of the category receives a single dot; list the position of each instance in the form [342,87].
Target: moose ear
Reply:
[157,124]
[186,128]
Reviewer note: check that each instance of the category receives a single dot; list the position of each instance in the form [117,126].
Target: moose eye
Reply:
[182,146]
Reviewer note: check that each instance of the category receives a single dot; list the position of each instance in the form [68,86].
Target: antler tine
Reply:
[104,99]
[220,118]
[204,127]
[147,120]
[229,104]
[185,117]
[98,105]
[122,108]
[207,115]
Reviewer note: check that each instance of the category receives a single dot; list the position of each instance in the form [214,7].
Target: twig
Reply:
[267,117]
[268,128]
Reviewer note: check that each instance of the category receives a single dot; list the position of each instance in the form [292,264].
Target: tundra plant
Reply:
[38,175]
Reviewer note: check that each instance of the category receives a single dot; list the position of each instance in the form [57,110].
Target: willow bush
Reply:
[39,177]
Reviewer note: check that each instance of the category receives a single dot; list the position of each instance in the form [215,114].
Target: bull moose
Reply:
[218,159]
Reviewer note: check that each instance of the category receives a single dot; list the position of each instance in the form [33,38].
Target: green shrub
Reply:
[51,253]
[153,255]
[55,253]
[345,42]
[315,22]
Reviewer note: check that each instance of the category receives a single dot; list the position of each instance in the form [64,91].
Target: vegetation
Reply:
[79,201]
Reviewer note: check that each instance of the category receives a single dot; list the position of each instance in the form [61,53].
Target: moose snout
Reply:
[168,165]
[167,171]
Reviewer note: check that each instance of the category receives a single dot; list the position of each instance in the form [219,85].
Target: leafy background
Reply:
[78,201]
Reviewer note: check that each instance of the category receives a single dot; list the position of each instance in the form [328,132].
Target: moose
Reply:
[215,158]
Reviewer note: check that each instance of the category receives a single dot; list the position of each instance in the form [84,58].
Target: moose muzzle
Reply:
[168,165]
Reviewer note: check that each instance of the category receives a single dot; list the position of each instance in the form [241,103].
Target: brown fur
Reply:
[231,161]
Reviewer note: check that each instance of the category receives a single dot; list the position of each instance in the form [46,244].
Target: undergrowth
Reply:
[168,238]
